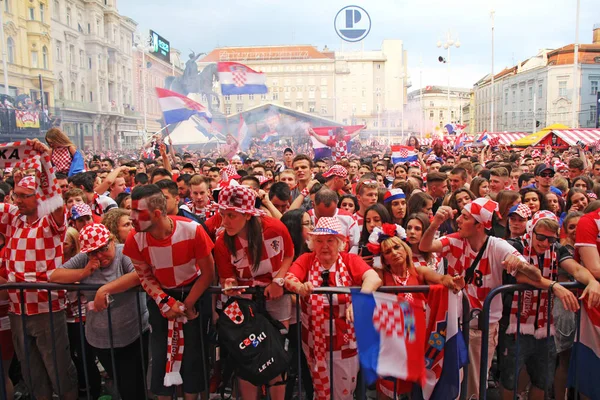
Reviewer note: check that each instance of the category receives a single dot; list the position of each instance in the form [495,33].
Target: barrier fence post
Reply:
[519,308]
[299,345]
[139,296]
[82,341]
[2,381]
[466,312]
[330,298]
[112,349]
[25,341]
[54,361]
[575,348]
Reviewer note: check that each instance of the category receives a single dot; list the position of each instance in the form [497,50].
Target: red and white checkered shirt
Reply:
[61,159]
[360,220]
[339,149]
[277,245]
[488,273]
[174,259]
[32,252]
[205,212]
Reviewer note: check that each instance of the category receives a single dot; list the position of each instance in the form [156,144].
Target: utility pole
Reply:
[492,108]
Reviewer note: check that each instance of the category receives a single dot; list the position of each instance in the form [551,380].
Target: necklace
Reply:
[401,280]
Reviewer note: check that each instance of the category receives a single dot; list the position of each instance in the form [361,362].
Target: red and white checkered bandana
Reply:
[536,154]
[92,237]
[28,182]
[336,170]
[327,226]
[482,210]
[240,199]
[561,166]
[263,179]
[542,214]
[229,172]
[80,210]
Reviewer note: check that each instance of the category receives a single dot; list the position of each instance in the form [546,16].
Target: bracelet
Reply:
[551,288]
[305,192]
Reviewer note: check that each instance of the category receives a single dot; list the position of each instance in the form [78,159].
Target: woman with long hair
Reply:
[457,201]
[243,258]
[413,141]
[395,202]
[118,223]
[556,203]
[420,202]
[375,216]
[62,150]
[577,200]
[506,199]
[480,187]
[534,199]
[348,202]
[400,171]
[299,225]
[398,269]
[416,225]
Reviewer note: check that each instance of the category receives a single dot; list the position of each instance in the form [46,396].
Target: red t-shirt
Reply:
[277,245]
[356,268]
[588,231]
[174,260]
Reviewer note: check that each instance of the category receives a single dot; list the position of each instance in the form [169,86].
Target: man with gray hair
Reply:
[326,201]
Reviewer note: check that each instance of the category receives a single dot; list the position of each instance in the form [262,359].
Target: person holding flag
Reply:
[338,143]
[481,260]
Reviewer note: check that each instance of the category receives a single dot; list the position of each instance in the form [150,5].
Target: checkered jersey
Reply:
[204,213]
[174,259]
[102,204]
[61,159]
[488,273]
[31,253]
[339,149]
[360,220]
[588,231]
[277,245]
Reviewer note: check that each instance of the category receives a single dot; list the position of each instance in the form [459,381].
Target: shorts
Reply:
[39,370]
[193,363]
[565,325]
[538,356]
[280,309]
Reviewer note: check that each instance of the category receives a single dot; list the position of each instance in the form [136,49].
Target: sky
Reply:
[522,28]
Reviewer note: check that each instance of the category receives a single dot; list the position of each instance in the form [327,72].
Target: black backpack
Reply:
[253,341]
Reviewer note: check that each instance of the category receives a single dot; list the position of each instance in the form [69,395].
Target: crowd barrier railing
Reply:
[79,288]
[484,326]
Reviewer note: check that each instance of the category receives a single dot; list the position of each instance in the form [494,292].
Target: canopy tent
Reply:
[535,138]
[187,132]
[506,138]
[572,136]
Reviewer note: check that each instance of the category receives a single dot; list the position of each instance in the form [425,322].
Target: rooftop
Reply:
[265,53]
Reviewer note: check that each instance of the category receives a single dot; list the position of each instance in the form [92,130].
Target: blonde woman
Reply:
[62,150]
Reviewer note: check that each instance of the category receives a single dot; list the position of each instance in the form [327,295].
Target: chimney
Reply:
[596,34]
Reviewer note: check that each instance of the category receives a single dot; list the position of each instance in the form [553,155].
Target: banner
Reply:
[27,119]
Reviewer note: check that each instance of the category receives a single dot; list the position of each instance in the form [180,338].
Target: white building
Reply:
[540,91]
[93,70]
[427,108]
[362,87]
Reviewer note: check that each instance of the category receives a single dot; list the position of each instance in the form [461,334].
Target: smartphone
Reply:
[363,251]
[235,288]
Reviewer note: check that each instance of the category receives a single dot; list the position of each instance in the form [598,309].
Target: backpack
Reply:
[253,340]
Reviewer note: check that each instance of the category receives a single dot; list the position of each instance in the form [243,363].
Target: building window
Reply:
[263,96]
[227,109]
[505,98]
[441,114]
[452,115]
[530,92]
[384,123]
[251,97]
[45,57]
[430,114]
[522,95]
[7,6]
[68,16]
[227,97]
[56,10]
[540,91]
[275,96]
[34,59]
[594,87]
[562,88]
[239,108]
[375,124]
[311,107]
[323,110]
[592,114]
[91,96]
[32,13]
[81,59]
[239,97]
[42,12]
[514,96]
[10,45]
[89,62]
[323,92]
[82,93]
[73,91]
[89,29]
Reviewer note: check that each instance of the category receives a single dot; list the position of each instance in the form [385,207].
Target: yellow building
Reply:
[28,49]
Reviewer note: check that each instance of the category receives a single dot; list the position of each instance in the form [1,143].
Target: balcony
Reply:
[75,105]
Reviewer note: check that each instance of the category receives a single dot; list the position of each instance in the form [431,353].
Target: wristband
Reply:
[305,192]
[551,288]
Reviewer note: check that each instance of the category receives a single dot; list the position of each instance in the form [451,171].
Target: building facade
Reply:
[363,87]
[92,47]
[154,71]
[427,109]
[540,91]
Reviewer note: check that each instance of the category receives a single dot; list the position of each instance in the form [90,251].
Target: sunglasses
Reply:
[543,238]
[547,175]
[102,249]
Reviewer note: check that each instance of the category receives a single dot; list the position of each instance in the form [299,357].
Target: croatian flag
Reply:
[402,154]
[322,150]
[390,336]
[237,78]
[459,141]
[177,107]
[585,356]
[269,136]
[445,350]
[484,138]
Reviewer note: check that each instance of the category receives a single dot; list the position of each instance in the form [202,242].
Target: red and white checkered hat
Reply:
[263,179]
[92,237]
[336,170]
[560,166]
[28,182]
[229,172]
[521,210]
[328,226]
[80,210]
[542,214]
[482,210]
[240,199]
[536,154]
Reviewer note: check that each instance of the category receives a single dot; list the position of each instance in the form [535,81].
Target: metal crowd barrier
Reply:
[361,387]
[484,326]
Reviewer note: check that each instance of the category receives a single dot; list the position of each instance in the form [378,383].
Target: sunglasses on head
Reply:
[543,238]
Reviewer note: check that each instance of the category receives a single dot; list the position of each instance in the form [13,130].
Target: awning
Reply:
[572,136]
[507,138]
[535,138]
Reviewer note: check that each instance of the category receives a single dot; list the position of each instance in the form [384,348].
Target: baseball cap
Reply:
[288,150]
[521,210]
[543,167]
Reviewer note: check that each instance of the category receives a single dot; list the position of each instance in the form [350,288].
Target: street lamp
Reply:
[450,41]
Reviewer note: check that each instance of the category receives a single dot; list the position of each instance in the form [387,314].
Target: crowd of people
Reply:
[177,223]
